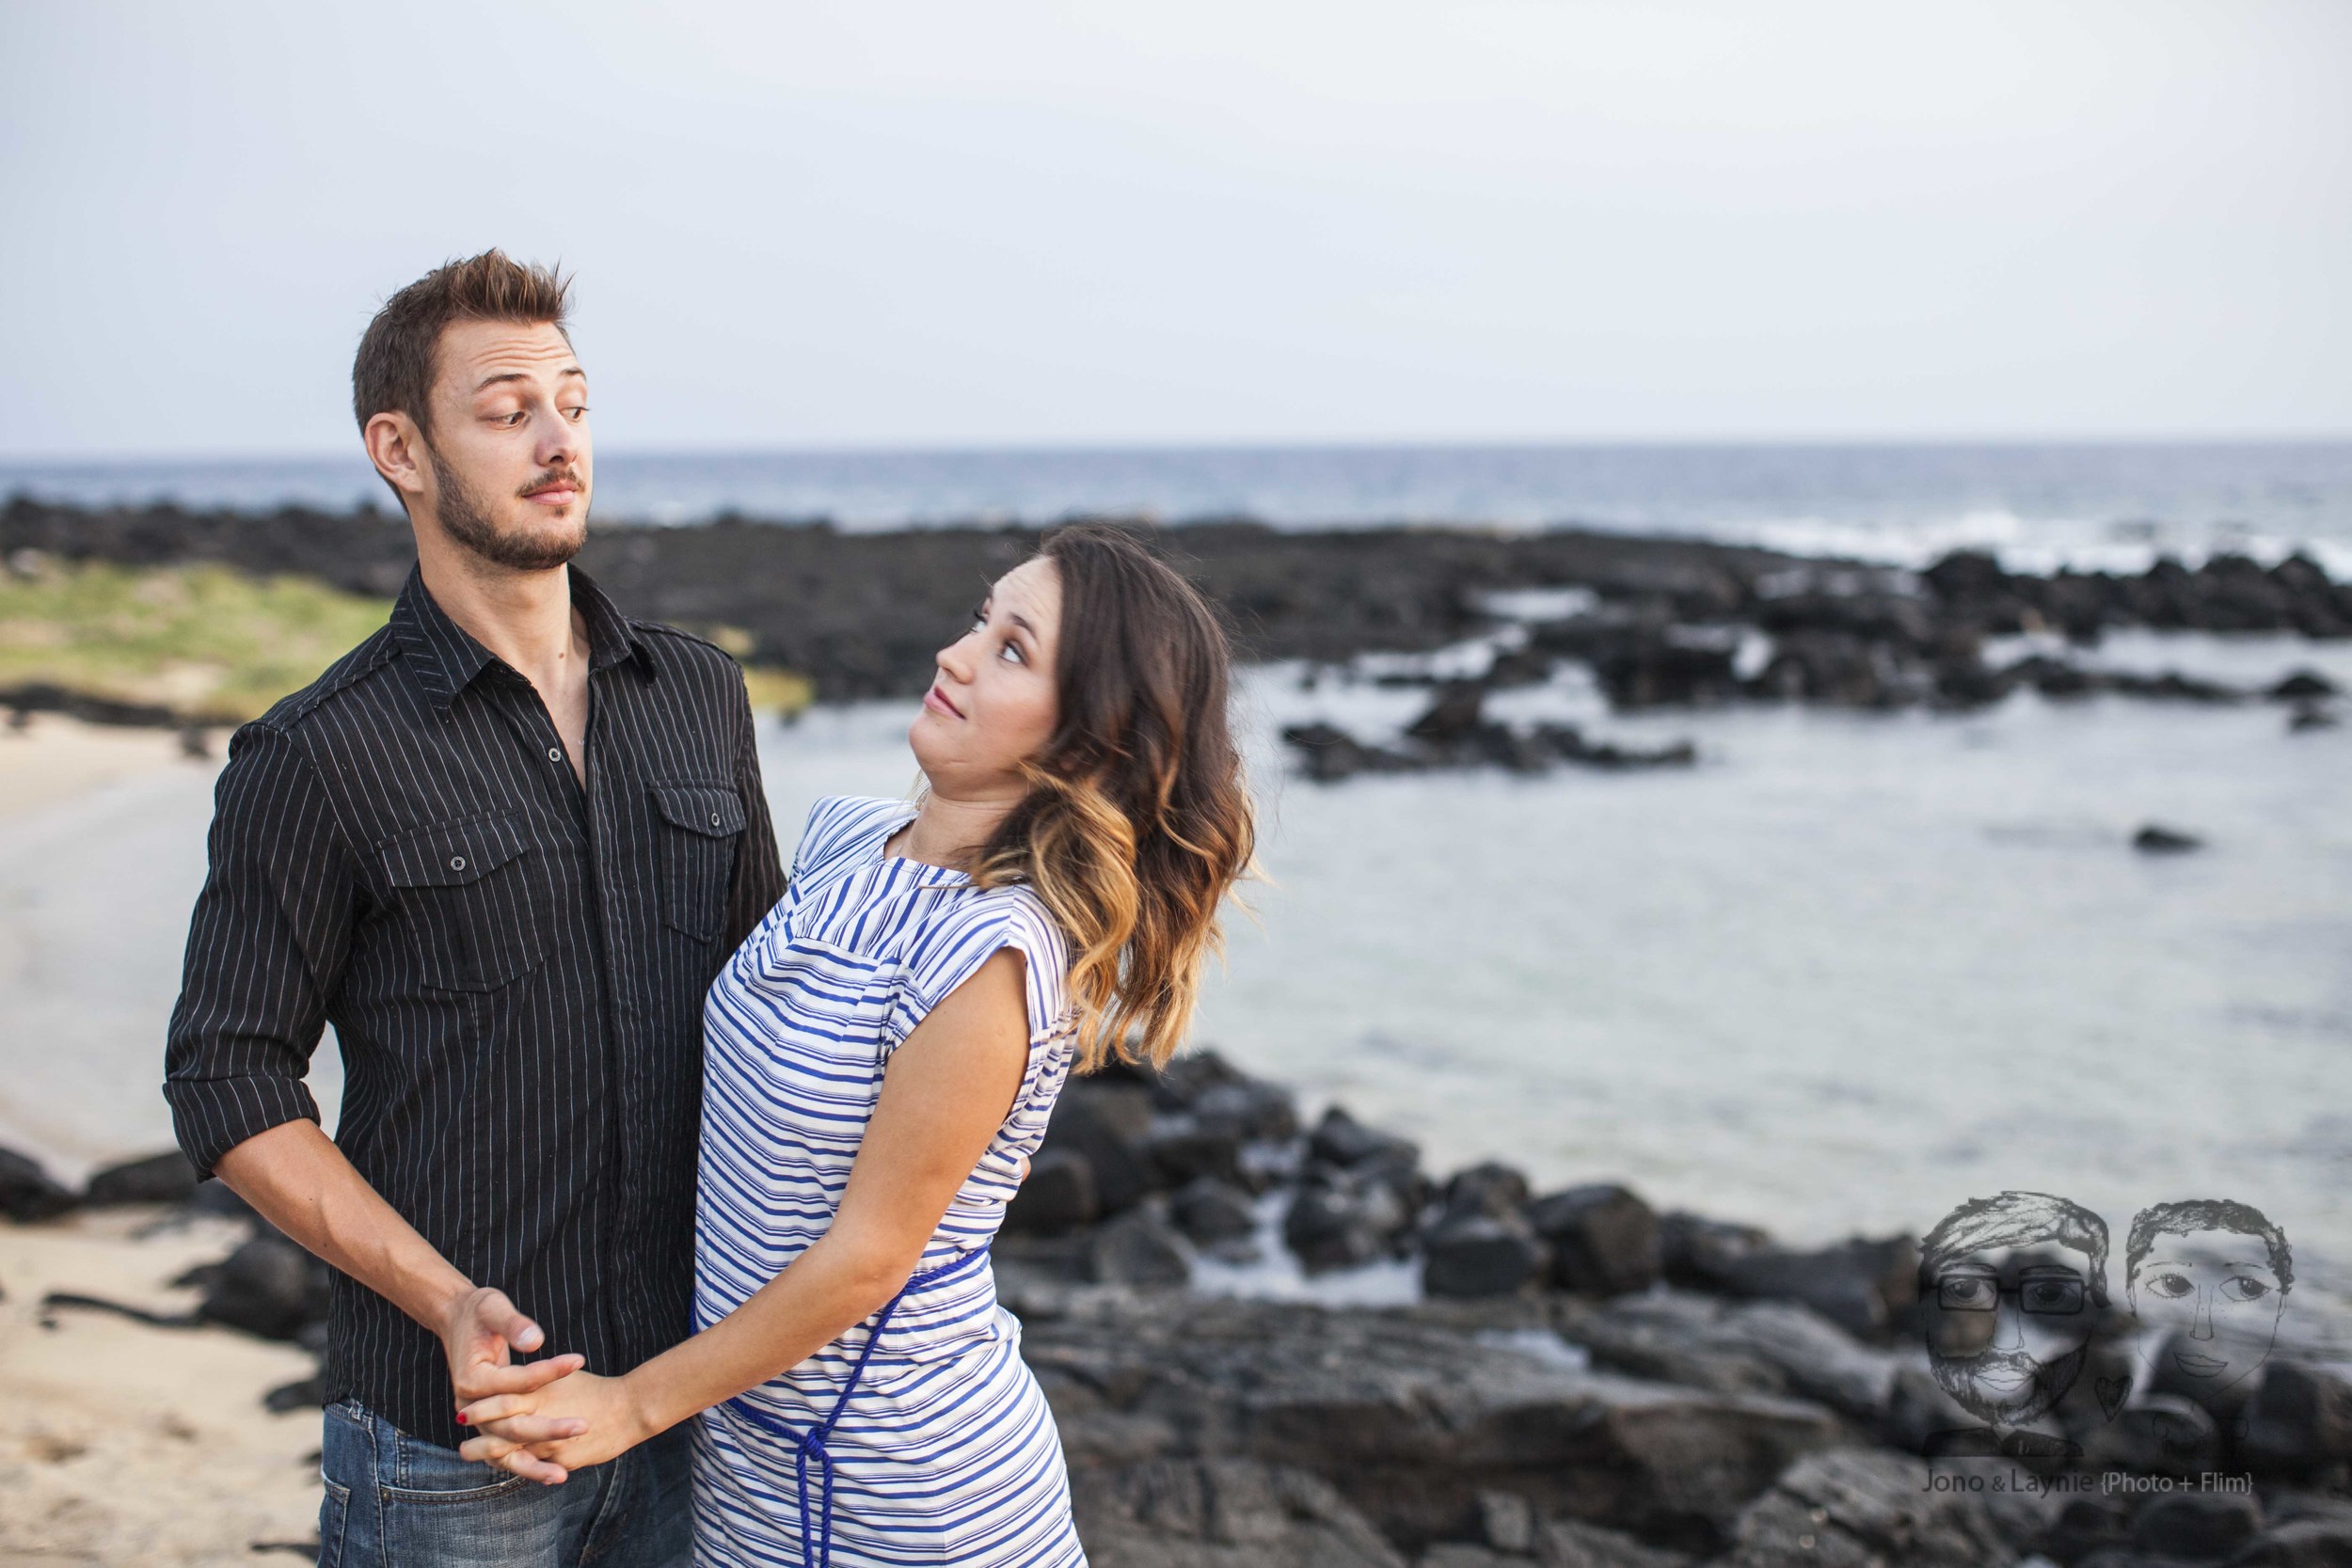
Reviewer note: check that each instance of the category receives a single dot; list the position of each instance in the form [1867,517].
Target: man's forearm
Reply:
[301,1183]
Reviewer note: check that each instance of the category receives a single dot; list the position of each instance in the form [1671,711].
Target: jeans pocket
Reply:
[443,1509]
[334,1519]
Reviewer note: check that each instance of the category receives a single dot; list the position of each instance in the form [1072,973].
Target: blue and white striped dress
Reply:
[943,1450]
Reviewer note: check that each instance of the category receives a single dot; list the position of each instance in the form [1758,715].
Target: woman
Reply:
[882,1055]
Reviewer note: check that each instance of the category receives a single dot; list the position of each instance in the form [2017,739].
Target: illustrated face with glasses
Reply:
[2013,1291]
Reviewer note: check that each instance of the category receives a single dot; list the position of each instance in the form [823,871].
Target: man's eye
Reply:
[578,413]
[510,421]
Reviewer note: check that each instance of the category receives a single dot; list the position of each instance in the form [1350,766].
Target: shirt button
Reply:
[556,754]
[714,819]
[457,863]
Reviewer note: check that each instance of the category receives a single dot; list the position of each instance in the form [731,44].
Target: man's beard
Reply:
[2030,1401]
[466,519]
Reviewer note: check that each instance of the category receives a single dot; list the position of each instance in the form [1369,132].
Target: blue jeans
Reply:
[395,1502]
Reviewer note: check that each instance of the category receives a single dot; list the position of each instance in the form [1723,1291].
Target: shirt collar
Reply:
[446,657]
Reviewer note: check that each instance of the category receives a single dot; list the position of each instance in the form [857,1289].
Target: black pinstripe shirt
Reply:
[515,968]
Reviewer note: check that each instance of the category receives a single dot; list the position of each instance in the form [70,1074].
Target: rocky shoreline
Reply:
[1580,1383]
[1658,621]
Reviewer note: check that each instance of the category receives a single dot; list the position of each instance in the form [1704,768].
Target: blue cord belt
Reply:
[811,1444]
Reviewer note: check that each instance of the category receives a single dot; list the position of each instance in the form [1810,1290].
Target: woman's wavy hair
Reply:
[1138,822]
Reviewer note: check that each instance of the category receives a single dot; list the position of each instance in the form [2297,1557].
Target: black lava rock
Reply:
[165,1178]
[1184,1147]
[1858,1284]
[2199,1525]
[269,1287]
[27,1193]
[1209,1211]
[2156,839]
[1338,1219]
[1491,1190]
[1107,1123]
[1477,1256]
[2301,685]
[2299,1422]
[1138,1248]
[1057,1198]
[1454,715]
[1341,1141]
[1604,1240]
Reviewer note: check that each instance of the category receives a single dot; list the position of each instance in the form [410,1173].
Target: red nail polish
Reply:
[462,1420]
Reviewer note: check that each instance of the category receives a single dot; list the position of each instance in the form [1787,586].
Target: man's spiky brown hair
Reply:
[398,355]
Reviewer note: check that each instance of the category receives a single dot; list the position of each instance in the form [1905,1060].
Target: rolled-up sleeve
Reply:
[758,866]
[266,949]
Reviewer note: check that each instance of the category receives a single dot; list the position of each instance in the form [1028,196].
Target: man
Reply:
[503,846]
[2012,1288]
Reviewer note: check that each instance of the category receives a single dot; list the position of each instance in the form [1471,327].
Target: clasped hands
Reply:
[541,1419]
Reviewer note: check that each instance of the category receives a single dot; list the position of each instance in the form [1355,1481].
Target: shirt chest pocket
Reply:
[471,893]
[697,828]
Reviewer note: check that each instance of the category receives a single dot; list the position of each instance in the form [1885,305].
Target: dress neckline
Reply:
[922,871]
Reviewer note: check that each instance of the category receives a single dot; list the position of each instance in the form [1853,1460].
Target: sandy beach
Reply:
[52,759]
[122,1443]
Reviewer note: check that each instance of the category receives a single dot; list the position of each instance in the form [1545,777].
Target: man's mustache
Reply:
[565,475]
[1999,1361]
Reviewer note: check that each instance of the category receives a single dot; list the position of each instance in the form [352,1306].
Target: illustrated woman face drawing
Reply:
[2207,1279]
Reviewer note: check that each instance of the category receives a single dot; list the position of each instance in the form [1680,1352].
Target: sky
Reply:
[898,224]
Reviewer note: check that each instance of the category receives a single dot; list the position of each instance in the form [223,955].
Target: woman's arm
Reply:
[946,1091]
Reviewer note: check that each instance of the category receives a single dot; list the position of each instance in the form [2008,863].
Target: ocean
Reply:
[1845,974]
[2112,505]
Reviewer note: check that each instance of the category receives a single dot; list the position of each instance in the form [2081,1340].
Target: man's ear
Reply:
[396,447]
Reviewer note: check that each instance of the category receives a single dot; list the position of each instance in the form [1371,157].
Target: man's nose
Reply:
[559,441]
[2008,1327]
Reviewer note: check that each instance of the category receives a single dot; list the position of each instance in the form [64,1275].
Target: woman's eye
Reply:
[2171,1285]
[2239,1288]
[1011,651]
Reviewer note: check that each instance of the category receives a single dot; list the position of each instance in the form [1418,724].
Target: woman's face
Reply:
[2209,1306]
[992,702]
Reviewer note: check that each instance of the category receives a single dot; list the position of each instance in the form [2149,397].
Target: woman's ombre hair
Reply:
[1138,823]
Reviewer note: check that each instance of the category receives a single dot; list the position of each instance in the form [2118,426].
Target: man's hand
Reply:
[302,1184]
[604,1409]
[478,1332]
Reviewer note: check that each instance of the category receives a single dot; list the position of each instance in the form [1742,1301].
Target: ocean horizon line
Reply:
[2131,441]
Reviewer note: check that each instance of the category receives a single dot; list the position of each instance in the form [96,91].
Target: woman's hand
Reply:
[601,1413]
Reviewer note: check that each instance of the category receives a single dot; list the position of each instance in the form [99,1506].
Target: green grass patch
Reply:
[211,644]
